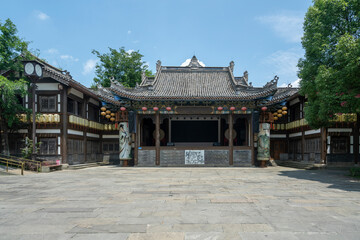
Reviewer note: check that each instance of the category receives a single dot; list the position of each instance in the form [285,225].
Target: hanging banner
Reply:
[125,141]
[264,142]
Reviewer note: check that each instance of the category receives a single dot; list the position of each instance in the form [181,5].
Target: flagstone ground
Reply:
[180,203]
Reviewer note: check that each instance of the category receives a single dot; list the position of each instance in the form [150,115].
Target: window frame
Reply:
[46,110]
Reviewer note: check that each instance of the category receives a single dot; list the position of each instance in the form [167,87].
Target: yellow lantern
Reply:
[103,109]
[275,114]
[108,112]
[279,111]
[112,119]
[284,108]
[112,114]
[280,115]
[107,116]
[103,113]
[284,112]
[276,118]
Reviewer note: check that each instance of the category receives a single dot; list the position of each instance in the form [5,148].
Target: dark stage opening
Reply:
[194,131]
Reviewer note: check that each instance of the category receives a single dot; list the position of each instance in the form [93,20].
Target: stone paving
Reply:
[180,203]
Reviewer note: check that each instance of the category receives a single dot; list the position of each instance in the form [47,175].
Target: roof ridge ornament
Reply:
[272,83]
[158,65]
[231,66]
[194,62]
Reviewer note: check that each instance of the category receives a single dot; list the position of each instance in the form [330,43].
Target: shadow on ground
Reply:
[338,179]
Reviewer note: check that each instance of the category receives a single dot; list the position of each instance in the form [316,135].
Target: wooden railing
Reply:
[20,163]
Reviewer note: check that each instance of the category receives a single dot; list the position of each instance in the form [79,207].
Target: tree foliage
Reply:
[11,86]
[330,70]
[124,66]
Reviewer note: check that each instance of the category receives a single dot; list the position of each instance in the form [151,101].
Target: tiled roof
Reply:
[282,94]
[194,82]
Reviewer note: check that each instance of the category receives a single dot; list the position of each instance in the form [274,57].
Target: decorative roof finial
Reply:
[158,65]
[231,66]
[246,76]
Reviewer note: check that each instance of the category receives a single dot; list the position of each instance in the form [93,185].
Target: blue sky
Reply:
[262,37]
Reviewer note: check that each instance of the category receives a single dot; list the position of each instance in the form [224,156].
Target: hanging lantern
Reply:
[284,112]
[220,108]
[108,112]
[275,114]
[279,111]
[112,119]
[103,113]
[284,108]
[264,108]
[155,109]
[103,109]
[144,108]
[168,109]
[276,118]
[243,109]
[279,115]
[108,116]
[232,108]
[123,108]
[112,114]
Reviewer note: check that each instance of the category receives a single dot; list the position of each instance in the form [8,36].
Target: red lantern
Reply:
[232,108]
[144,108]
[123,108]
[168,109]
[220,108]
[243,108]
[155,108]
[116,126]
[264,108]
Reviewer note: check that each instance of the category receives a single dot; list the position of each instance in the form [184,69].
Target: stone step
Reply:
[300,165]
[82,166]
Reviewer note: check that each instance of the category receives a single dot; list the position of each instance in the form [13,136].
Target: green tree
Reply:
[124,66]
[11,86]
[330,70]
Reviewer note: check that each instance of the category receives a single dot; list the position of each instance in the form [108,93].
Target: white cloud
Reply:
[284,62]
[187,61]
[129,32]
[69,57]
[52,51]
[295,84]
[42,16]
[89,66]
[130,51]
[136,41]
[287,26]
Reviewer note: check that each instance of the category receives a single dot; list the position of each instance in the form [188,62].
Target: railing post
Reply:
[22,168]
[7,165]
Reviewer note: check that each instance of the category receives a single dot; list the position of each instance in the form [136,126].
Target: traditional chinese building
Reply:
[197,115]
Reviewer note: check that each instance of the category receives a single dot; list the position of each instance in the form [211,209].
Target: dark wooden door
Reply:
[277,147]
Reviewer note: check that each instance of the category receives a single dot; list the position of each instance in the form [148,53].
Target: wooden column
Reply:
[157,139]
[231,141]
[64,123]
[356,139]
[252,140]
[323,142]
[302,143]
[136,140]
[84,115]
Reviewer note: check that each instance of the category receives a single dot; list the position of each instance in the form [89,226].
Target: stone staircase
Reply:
[82,166]
[300,165]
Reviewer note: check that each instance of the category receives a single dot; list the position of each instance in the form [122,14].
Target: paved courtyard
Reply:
[180,203]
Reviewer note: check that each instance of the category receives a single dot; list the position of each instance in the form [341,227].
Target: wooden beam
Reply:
[302,143]
[252,140]
[231,141]
[157,138]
